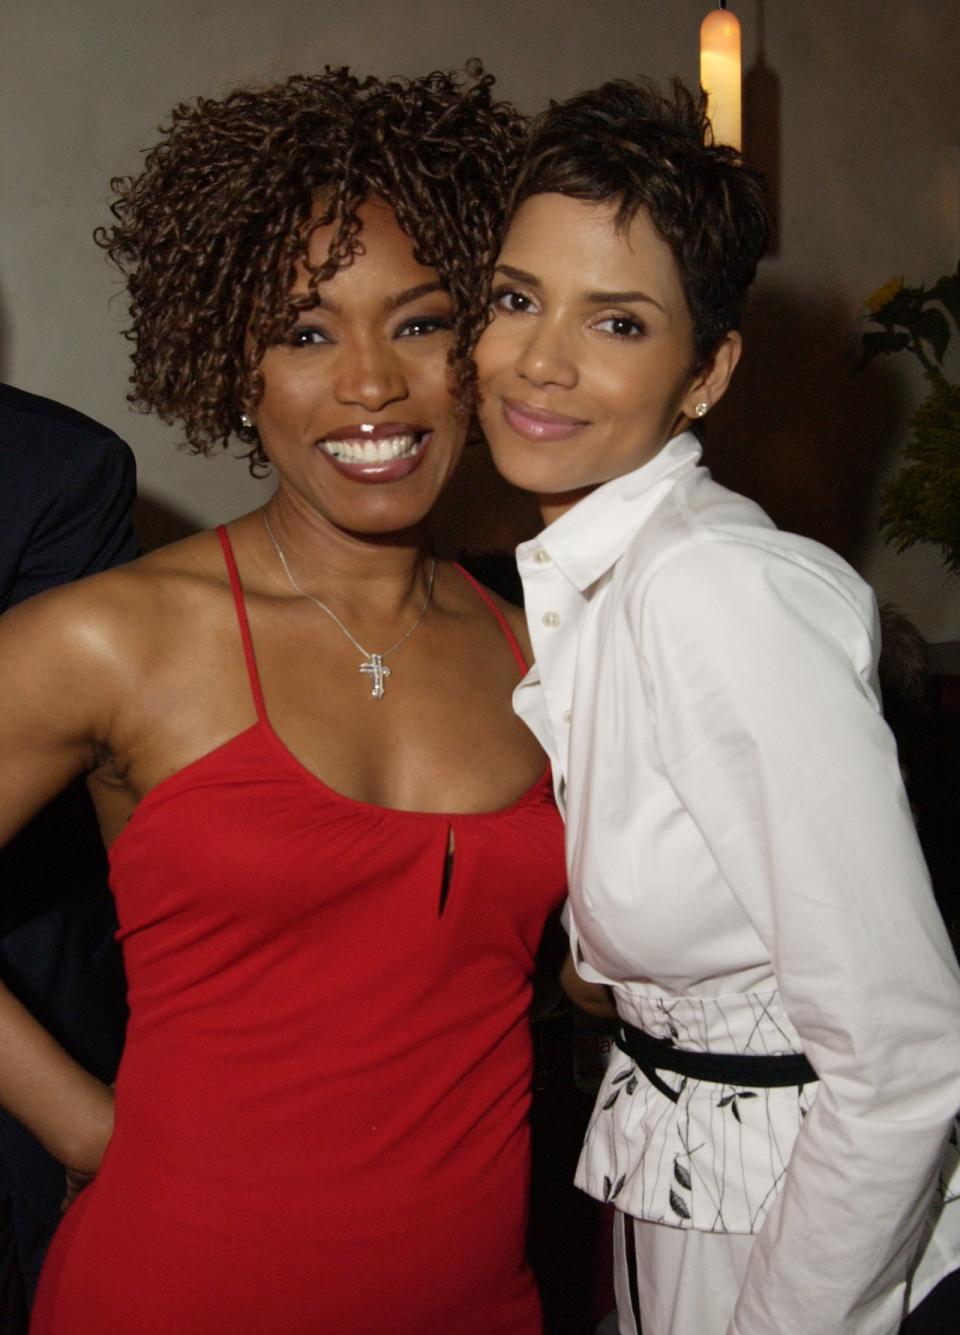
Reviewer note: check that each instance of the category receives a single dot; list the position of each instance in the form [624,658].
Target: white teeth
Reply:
[372,451]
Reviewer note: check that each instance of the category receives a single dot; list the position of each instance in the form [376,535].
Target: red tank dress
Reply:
[321,1111]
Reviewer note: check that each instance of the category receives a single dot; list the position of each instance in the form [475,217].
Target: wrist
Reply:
[80,1145]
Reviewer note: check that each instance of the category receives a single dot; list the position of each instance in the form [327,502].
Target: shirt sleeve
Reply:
[758,668]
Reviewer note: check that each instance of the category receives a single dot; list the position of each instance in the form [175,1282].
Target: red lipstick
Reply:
[376,452]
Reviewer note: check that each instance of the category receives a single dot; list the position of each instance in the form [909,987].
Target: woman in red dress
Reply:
[333,846]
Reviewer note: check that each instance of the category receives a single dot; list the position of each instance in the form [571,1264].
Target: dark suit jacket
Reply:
[67,485]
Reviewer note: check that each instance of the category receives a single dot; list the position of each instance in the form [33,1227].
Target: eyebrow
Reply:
[392,303]
[412,294]
[518,275]
[596,298]
[617,298]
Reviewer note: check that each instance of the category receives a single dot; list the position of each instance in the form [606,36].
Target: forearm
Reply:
[593,998]
[868,980]
[68,1110]
[838,1246]
[872,990]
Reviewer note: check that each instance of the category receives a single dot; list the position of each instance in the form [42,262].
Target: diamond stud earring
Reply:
[701,409]
[246,421]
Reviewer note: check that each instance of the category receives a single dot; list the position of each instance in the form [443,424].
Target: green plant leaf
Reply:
[947,292]
[933,328]
[922,503]
[875,344]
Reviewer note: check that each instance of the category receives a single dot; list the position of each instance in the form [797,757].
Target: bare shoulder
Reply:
[517,621]
[118,614]
[193,564]
[513,615]
[93,668]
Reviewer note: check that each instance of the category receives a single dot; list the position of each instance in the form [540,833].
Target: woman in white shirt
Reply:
[744,872]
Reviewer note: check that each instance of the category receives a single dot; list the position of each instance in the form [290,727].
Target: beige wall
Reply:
[861,96]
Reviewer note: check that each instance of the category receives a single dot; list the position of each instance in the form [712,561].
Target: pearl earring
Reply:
[701,409]
[246,421]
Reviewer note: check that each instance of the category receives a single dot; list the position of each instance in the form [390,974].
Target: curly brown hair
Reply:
[210,233]
[628,145]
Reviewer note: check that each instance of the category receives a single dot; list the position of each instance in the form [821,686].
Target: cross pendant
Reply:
[378,672]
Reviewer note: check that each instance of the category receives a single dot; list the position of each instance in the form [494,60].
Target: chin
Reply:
[536,475]
[514,463]
[381,516]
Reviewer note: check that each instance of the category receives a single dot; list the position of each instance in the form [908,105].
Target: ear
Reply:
[709,385]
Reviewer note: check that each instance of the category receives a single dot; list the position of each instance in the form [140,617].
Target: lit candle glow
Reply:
[720,74]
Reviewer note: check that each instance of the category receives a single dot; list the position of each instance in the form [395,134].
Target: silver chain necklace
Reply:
[373,665]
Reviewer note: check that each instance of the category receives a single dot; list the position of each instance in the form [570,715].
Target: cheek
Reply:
[493,352]
[435,388]
[481,359]
[287,392]
[642,386]
[456,453]
[621,387]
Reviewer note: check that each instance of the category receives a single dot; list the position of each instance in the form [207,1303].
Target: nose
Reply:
[370,375]
[546,357]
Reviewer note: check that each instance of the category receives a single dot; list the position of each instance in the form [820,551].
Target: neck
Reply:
[379,573]
[552,507]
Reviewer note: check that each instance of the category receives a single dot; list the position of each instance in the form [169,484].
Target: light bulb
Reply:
[720,74]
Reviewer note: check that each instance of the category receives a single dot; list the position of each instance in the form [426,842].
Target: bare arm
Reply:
[594,998]
[51,707]
[68,1110]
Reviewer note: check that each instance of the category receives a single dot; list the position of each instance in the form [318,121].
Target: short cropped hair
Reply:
[626,144]
[210,233]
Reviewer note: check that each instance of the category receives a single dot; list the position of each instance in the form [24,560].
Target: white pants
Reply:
[687,1282]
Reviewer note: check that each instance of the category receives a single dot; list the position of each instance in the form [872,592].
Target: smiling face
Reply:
[586,370]
[356,414]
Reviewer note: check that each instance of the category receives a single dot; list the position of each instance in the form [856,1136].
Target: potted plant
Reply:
[922,503]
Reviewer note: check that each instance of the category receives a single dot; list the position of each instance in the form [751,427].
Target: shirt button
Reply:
[541,557]
[551,619]
[567,715]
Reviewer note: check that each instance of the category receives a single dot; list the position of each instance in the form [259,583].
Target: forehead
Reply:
[385,260]
[558,238]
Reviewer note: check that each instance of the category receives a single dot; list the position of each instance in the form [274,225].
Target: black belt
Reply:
[718,1068]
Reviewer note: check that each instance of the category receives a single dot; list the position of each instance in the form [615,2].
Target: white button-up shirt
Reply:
[745,874]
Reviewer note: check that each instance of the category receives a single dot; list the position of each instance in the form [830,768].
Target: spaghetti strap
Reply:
[237,589]
[504,623]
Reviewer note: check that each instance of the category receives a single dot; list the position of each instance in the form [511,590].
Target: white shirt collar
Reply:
[592,536]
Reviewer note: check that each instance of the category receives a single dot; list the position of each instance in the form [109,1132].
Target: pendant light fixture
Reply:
[720,74]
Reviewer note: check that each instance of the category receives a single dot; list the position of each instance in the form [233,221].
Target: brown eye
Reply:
[621,326]
[511,302]
[420,325]
[305,336]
